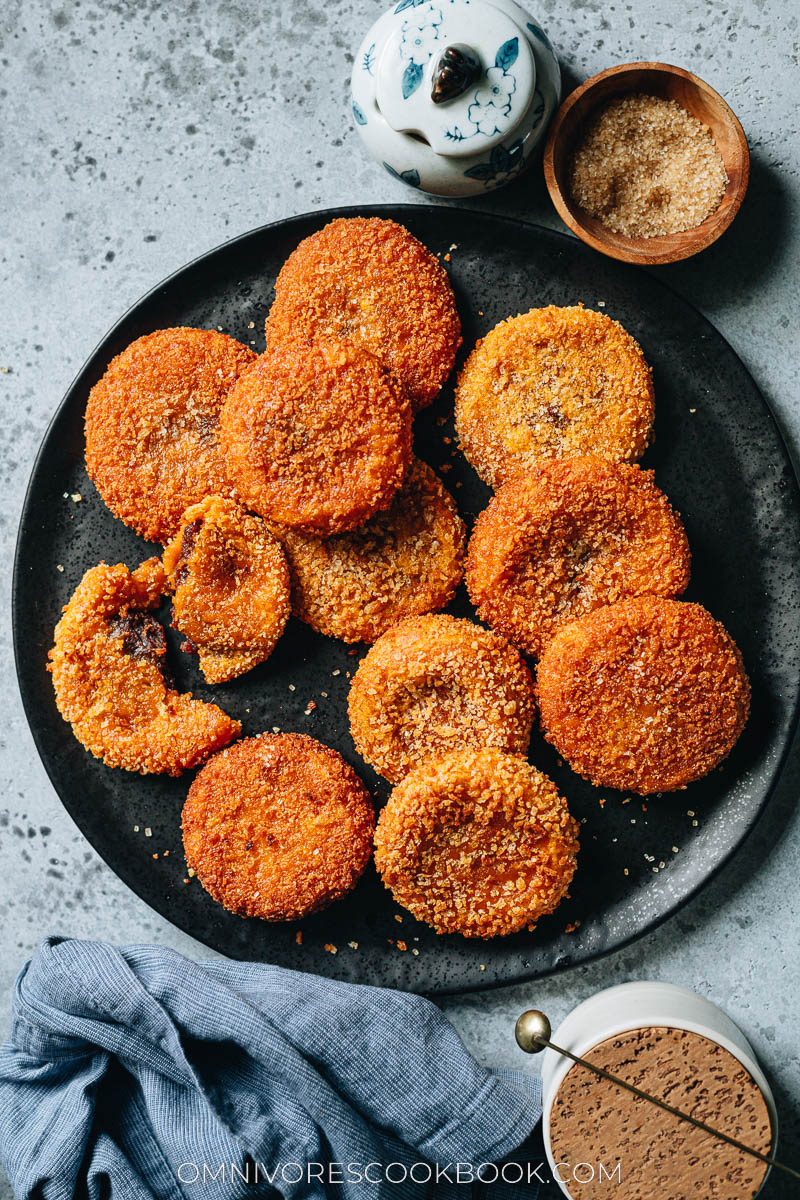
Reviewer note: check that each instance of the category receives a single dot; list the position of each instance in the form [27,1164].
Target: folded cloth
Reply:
[133,1072]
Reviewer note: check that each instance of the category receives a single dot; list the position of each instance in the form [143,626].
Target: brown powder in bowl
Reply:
[596,1122]
[645,166]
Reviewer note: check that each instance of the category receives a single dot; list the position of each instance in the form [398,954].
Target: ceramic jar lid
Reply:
[459,74]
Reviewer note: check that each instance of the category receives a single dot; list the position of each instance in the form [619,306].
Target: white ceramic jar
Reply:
[454,96]
[642,1005]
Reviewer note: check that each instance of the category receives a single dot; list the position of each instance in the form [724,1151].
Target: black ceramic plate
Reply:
[718,455]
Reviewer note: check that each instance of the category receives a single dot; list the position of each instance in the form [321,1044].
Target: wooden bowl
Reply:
[655,79]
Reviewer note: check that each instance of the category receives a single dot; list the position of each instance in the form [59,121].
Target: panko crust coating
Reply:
[402,562]
[317,436]
[277,827]
[553,383]
[371,280]
[230,583]
[434,684]
[152,426]
[646,695]
[478,843]
[568,537]
[108,667]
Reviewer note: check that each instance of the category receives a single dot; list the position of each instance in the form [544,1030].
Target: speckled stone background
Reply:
[136,135]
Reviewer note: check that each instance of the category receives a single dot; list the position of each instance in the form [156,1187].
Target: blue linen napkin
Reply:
[133,1073]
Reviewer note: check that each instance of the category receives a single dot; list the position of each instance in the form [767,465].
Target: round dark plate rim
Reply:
[323,215]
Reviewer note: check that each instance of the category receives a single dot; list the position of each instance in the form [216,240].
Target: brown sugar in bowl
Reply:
[669,83]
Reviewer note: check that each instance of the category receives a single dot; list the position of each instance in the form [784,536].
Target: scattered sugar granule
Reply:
[353,945]
[329,946]
[148,832]
[645,167]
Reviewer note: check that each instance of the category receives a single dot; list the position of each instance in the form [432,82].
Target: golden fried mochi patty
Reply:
[553,383]
[277,827]
[231,587]
[434,684]
[644,695]
[152,424]
[317,436]
[108,665]
[478,842]
[569,536]
[404,561]
[371,280]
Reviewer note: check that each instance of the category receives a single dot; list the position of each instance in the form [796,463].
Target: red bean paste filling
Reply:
[143,638]
[190,534]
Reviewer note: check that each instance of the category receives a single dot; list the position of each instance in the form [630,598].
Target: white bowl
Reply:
[640,1006]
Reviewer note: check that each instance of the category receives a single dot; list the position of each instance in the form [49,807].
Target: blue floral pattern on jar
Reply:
[410,177]
[491,105]
[418,40]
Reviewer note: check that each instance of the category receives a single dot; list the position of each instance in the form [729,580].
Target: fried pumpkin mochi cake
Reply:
[553,383]
[230,582]
[433,684]
[569,536]
[317,436]
[402,562]
[152,422]
[645,695]
[109,673]
[277,827]
[477,842]
[371,281]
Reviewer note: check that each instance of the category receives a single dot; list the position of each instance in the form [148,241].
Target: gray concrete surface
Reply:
[135,135]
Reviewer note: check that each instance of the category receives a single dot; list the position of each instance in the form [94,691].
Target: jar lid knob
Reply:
[457,69]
